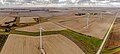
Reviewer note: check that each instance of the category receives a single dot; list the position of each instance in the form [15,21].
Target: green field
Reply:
[3,38]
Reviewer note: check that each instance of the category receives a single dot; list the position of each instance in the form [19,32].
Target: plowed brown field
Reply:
[114,39]
[47,26]
[53,44]
[97,27]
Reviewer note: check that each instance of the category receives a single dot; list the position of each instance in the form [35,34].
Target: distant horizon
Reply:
[60,5]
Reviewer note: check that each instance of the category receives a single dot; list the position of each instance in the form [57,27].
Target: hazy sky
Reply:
[112,2]
[63,0]
[66,0]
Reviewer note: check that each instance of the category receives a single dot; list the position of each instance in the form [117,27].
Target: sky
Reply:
[63,0]
[100,2]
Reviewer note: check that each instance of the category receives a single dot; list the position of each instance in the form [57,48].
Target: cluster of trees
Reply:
[8,25]
[3,38]
[79,14]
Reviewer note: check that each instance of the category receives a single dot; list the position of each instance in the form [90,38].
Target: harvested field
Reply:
[9,19]
[53,44]
[18,44]
[38,13]
[71,21]
[4,14]
[66,46]
[47,26]
[6,19]
[27,19]
[45,14]
[97,27]
[114,38]
[1,19]
[117,52]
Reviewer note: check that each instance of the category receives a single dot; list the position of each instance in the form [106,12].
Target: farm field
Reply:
[25,46]
[113,42]
[100,27]
[27,20]
[47,26]
[1,18]
[6,19]
[97,27]
[64,32]
[30,45]
[86,43]
[51,27]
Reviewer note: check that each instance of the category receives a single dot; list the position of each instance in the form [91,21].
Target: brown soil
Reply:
[47,26]
[117,52]
[53,44]
[114,39]
[97,27]
[27,19]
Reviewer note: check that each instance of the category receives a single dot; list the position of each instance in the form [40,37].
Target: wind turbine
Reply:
[87,16]
[41,41]
[88,19]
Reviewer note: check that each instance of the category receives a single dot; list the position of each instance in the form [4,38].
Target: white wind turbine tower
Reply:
[87,19]
[41,41]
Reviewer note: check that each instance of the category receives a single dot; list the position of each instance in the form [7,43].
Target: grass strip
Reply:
[3,38]
[112,51]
